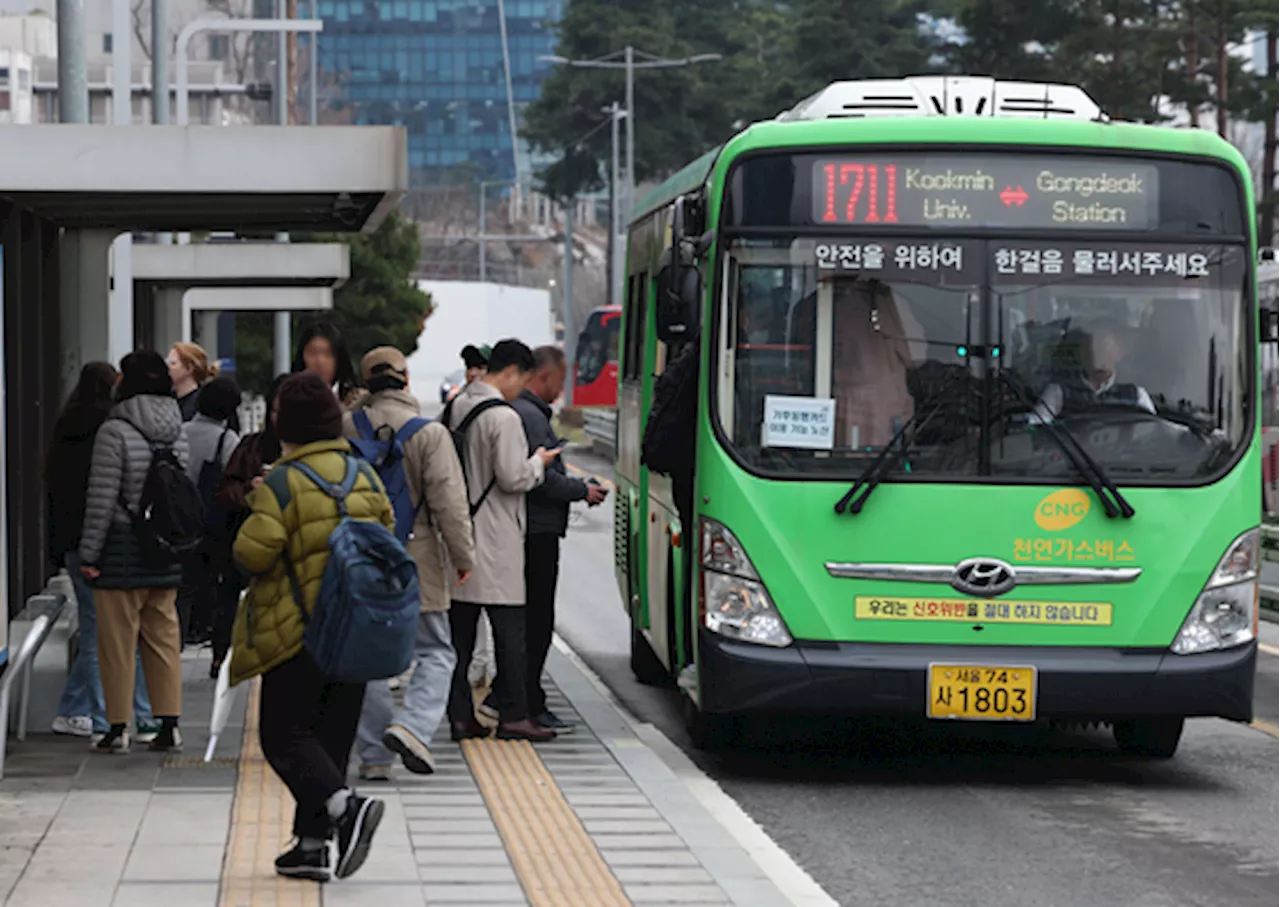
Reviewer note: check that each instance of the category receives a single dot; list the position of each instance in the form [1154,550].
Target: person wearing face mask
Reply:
[1095,384]
[322,351]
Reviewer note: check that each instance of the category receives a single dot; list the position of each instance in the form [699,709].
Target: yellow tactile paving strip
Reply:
[261,823]
[553,856]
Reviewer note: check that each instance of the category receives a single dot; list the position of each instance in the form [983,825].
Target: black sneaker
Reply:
[355,833]
[553,722]
[168,740]
[305,864]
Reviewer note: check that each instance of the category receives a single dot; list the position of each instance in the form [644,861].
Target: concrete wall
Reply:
[470,312]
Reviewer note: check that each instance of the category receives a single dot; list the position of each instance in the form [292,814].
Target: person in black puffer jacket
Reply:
[133,595]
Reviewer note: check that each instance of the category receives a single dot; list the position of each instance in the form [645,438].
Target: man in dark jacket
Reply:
[548,519]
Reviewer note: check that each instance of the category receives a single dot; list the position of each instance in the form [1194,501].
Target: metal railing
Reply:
[44,611]
[601,426]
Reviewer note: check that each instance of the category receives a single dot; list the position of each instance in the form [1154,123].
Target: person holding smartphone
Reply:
[548,520]
[499,470]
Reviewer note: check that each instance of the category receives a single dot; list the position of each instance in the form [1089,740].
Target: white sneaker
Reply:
[73,726]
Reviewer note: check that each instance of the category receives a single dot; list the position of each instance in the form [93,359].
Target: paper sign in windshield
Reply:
[802,422]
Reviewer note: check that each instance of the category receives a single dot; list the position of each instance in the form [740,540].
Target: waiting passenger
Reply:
[82,712]
[135,598]
[322,351]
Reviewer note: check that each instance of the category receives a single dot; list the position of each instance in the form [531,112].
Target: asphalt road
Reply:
[928,816]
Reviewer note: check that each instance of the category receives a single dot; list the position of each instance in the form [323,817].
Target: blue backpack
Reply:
[386,454]
[365,617]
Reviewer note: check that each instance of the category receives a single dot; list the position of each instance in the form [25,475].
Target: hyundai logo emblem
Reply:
[984,576]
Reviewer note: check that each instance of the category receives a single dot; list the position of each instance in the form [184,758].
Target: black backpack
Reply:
[216,517]
[460,443]
[669,435]
[169,521]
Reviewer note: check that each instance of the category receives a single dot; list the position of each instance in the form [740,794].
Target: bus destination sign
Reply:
[956,191]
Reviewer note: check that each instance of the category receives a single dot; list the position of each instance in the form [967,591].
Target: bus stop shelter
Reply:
[164,275]
[66,191]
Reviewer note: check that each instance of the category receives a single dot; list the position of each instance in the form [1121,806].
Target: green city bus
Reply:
[977,425]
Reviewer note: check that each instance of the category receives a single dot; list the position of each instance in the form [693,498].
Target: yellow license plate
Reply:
[982,692]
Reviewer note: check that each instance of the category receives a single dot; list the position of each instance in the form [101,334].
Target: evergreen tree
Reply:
[379,305]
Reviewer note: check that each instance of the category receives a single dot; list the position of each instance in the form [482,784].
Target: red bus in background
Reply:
[595,372]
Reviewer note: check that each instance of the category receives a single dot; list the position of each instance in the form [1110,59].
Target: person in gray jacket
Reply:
[210,587]
[132,595]
[548,520]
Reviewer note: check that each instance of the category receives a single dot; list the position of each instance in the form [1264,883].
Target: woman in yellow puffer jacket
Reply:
[307,722]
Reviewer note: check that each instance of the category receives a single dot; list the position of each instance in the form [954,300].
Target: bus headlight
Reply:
[734,600]
[1226,613]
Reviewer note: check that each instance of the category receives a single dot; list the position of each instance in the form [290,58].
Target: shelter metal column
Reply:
[84,309]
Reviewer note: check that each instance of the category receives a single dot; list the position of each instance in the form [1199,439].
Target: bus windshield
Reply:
[1137,349]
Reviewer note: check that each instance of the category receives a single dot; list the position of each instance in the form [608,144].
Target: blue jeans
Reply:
[83,693]
[424,699]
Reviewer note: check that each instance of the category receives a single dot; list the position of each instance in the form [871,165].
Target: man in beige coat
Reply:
[442,546]
[499,473]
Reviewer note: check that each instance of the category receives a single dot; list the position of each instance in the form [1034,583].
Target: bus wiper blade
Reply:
[880,466]
[1087,465]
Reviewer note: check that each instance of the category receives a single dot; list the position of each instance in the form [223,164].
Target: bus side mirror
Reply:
[1270,325]
[680,284]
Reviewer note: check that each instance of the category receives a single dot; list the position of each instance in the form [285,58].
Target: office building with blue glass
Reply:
[437,68]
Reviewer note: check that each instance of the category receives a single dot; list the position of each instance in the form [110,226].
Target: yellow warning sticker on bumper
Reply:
[1003,611]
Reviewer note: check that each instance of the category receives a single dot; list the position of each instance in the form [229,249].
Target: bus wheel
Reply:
[644,662]
[709,732]
[1152,738]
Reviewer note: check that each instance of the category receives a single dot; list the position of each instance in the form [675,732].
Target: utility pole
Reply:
[282,323]
[160,75]
[160,62]
[617,215]
[313,64]
[483,275]
[570,332]
[73,74]
[630,64]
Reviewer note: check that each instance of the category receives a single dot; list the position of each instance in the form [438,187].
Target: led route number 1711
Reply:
[862,176]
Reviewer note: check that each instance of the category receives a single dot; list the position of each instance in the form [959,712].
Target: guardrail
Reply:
[43,610]
[601,426]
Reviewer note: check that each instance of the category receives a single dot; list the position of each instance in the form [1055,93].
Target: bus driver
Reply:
[1095,383]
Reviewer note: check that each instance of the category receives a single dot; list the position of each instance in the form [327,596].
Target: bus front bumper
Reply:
[846,678]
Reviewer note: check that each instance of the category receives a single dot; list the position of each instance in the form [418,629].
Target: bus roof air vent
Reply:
[946,96]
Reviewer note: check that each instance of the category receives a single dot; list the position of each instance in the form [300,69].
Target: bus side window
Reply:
[637,324]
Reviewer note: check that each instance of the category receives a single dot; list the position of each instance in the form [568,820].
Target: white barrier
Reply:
[601,426]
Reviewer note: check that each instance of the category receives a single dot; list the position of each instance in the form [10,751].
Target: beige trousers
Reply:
[128,618]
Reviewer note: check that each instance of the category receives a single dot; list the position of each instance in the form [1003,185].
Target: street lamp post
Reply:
[630,64]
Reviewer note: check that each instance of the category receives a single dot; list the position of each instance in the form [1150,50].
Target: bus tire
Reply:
[709,732]
[645,665]
[1150,738]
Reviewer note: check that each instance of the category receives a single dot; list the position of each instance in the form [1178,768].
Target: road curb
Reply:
[777,869]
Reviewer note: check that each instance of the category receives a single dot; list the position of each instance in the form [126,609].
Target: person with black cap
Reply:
[440,544]
[307,722]
[476,359]
[134,597]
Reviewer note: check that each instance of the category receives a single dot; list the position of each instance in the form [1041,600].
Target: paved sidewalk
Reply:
[595,818]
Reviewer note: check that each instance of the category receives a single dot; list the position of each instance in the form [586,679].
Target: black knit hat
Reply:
[308,411]
[218,399]
[144,372]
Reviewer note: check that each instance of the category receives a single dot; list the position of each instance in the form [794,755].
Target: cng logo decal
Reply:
[1062,509]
